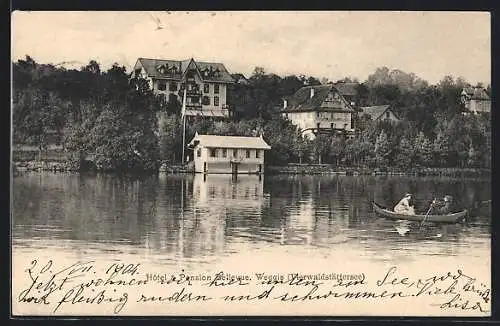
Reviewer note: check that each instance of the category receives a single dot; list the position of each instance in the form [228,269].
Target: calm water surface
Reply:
[197,221]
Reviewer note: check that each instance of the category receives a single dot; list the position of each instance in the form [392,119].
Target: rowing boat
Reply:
[448,218]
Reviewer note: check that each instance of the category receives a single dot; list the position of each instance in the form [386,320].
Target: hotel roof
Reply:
[174,69]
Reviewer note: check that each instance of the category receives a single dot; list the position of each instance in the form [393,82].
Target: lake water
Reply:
[204,223]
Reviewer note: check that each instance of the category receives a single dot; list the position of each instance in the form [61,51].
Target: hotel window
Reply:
[198,152]
[248,153]
[162,85]
[206,88]
[173,87]
[224,152]
[235,152]
[257,152]
[216,88]
[213,152]
[216,100]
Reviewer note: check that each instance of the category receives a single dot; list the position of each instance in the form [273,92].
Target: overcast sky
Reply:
[322,44]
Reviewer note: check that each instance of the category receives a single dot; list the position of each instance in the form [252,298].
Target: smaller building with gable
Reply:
[319,109]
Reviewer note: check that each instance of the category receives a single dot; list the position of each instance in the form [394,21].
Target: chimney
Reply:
[312,92]
[285,103]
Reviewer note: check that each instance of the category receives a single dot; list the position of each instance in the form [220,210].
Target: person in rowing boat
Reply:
[404,207]
[442,207]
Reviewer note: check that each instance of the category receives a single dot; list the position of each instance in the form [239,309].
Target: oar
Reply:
[427,214]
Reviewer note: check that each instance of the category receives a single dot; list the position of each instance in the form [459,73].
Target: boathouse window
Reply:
[224,152]
[216,88]
[235,152]
[162,85]
[173,87]
[213,152]
[257,152]
[216,101]
[248,153]
[206,88]
[198,152]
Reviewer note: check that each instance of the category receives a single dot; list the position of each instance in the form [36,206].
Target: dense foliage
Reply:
[112,119]
[93,114]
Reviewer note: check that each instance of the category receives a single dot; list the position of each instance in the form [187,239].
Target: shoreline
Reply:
[291,169]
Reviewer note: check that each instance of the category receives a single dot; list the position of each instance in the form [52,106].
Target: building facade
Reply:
[475,99]
[319,109]
[206,84]
[228,154]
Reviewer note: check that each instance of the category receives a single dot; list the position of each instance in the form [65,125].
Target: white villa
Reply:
[228,154]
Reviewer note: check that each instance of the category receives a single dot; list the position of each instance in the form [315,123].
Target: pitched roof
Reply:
[230,142]
[154,67]
[238,76]
[347,89]
[375,111]
[302,100]
[476,93]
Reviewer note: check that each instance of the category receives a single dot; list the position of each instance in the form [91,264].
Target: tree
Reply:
[424,150]
[300,148]
[441,149]
[320,147]
[382,150]
[170,138]
[258,72]
[337,150]
[473,157]
[173,105]
[36,114]
[406,153]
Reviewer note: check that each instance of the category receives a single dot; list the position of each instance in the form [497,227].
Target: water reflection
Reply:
[201,218]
